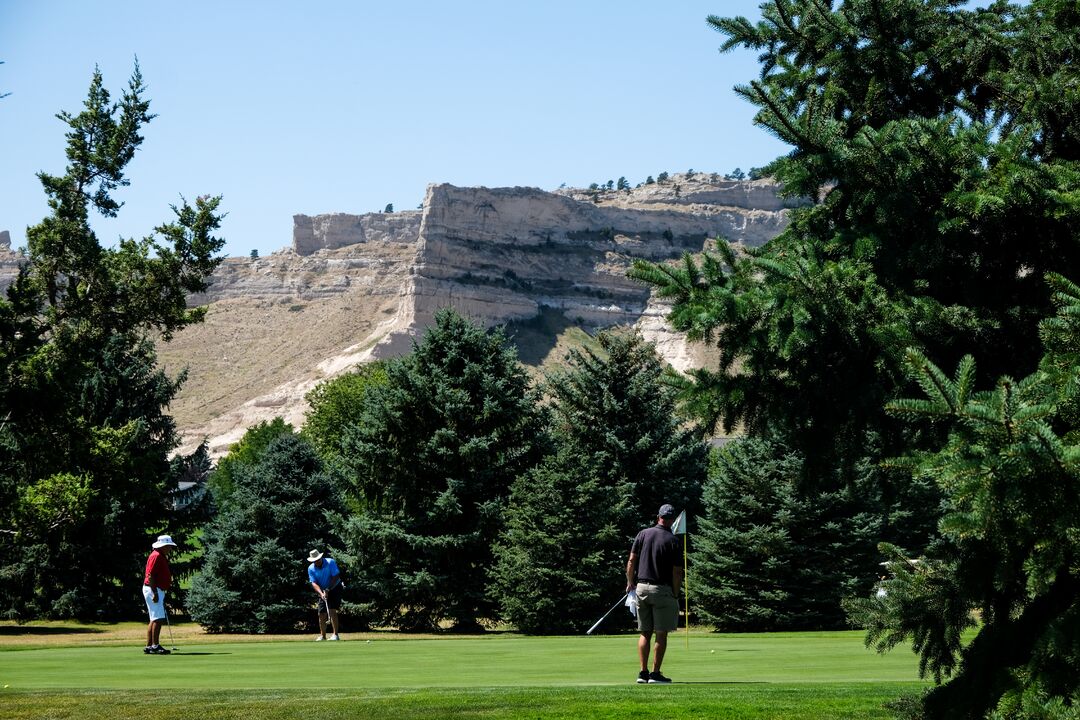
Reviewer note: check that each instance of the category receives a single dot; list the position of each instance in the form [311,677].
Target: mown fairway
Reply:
[100,675]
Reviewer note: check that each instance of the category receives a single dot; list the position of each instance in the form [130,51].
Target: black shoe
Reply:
[148,650]
[158,650]
[655,678]
[643,676]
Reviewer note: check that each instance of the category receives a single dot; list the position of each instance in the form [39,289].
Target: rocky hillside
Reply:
[356,287]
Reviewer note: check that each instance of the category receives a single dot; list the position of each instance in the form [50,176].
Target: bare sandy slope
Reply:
[249,353]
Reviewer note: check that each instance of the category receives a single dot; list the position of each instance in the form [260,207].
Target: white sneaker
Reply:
[334,637]
[319,638]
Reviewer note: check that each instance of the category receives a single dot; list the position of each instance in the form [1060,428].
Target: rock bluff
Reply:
[357,287]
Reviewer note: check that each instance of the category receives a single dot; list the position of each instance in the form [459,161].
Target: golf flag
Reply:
[679,528]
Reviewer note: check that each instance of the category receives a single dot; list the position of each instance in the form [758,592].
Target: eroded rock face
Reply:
[500,254]
[327,232]
[358,287]
[9,261]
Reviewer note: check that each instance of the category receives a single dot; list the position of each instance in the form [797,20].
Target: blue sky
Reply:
[288,108]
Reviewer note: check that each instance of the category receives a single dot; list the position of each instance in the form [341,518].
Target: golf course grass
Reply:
[88,672]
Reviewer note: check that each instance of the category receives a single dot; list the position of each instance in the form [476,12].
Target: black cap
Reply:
[666,511]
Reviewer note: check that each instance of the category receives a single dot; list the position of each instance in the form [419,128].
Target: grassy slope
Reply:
[767,675]
[772,702]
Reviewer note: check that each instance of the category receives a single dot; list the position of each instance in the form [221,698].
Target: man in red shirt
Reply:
[156,581]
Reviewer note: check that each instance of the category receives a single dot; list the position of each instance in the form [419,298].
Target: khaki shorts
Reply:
[658,610]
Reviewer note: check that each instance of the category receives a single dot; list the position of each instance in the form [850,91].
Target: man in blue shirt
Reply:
[326,580]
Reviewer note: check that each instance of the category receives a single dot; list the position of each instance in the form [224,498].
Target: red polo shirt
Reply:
[157,571]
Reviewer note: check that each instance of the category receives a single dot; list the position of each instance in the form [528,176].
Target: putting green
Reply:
[498,660]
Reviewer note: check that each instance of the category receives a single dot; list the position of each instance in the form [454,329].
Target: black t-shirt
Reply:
[657,551]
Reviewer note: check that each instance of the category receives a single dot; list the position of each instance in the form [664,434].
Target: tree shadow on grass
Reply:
[13,630]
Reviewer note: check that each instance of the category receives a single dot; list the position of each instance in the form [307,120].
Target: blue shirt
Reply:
[323,576]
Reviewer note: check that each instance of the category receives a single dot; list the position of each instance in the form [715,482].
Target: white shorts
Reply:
[156,609]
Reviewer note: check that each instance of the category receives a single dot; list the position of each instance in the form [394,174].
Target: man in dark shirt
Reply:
[655,575]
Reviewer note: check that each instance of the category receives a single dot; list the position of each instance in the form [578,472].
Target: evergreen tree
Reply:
[623,451]
[432,458]
[901,248]
[762,551]
[941,166]
[337,404]
[248,450]
[1009,537]
[192,507]
[561,556]
[85,479]
[254,576]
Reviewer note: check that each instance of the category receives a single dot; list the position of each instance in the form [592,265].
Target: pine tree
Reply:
[623,451]
[432,459]
[940,164]
[254,577]
[1009,537]
[248,450]
[84,434]
[561,556]
[765,553]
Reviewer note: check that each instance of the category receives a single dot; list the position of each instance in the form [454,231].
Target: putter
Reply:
[169,623]
[597,624]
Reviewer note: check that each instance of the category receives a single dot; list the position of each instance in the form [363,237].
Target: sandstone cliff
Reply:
[357,287]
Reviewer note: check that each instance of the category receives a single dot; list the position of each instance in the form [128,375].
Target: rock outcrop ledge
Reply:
[494,254]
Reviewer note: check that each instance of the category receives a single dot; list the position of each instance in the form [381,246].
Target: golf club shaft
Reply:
[169,623]
[597,624]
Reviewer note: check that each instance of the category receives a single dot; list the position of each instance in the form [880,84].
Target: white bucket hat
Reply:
[314,555]
[164,540]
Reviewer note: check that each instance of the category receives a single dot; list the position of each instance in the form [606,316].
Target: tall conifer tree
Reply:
[84,435]
[432,458]
[622,451]
[941,158]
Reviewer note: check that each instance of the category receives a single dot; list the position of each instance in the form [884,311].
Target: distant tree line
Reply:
[454,492]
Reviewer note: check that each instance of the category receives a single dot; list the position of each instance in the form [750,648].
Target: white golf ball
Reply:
[712,651]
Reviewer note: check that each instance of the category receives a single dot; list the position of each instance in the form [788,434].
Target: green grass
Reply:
[780,675]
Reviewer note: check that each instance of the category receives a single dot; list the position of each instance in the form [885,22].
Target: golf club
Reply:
[169,623]
[597,624]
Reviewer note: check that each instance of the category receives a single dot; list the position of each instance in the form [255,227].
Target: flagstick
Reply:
[686,590]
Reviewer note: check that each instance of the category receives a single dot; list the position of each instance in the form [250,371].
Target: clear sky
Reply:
[337,106]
